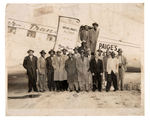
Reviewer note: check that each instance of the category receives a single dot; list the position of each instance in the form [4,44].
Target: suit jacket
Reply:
[41,65]
[30,66]
[96,67]
[49,65]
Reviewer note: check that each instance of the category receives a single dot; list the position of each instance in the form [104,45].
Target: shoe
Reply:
[77,91]
[29,91]
[107,90]
[36,91]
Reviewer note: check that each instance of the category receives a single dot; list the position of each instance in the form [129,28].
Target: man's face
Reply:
[86,27]
[30,53]
[52,54]
[75,51]
[64,52]
[70,55]
[58,53]
[95,27]
[119,53]
[43,54]
[112,55]
[82,54]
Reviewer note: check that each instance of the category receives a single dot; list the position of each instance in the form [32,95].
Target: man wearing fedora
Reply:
[112,70]
[50,70]
[82,64]
[70,66]
[30,64]
[122,68]
[64,58]
[93,36]
[42,71]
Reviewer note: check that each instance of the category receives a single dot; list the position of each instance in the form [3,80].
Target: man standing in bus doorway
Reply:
[121,70]
[93,36]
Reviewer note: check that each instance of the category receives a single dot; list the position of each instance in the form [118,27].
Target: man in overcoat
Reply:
[30,64]
[50,70]
[121,70]
[70,66]
[82,64]
[58,64]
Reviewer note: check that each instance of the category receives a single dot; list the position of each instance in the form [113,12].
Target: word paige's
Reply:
[108,46]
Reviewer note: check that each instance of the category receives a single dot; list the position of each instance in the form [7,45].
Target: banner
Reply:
[18,24]
[67,34]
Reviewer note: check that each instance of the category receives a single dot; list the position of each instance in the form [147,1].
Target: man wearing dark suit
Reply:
[30,64]
[50,70]
[96,68]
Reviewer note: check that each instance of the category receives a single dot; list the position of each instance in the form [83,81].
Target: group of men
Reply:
[80,70]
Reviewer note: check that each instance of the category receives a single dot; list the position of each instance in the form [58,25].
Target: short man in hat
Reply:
[112,70]
[64,58]
[42,71]
[30,64]
[96,68]
[82,64]
[70,66]
[93,36]
[50,70]
[122,68]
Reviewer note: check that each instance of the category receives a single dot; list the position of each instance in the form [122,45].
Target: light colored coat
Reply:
[82,68]
[41,65]
[59,69]
[123,62]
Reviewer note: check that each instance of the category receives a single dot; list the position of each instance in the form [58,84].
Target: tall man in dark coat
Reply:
[96,68]
[30,64]
[50,71]
[70,67]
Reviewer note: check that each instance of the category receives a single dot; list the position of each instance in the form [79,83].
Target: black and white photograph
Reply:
[74,59]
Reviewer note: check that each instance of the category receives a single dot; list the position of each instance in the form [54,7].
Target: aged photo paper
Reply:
[75,59]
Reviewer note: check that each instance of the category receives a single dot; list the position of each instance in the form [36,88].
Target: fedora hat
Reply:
[119,50]
[43,52]
[30,51]
[95,24]
[51,51]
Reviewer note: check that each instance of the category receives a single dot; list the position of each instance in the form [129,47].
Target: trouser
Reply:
[65,85]
[97,82]
[32,83]
[50,82]
[112,78]
[42,82]
[121,79]
[59,85]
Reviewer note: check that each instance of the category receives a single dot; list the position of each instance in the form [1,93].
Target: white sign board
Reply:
[67,35]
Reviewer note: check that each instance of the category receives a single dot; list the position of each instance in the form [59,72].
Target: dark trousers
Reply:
[32,82]
[65,85]
[59,85]
[51,83]
[112,78]
[97,82]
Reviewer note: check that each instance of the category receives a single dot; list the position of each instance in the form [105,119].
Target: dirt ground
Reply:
[83,103]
